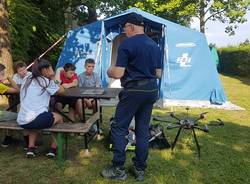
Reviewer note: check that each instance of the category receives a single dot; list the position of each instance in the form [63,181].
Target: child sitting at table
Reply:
[88,79]
[4,81]
[67,78]
[20,72]
[35,96]
[7,85]
[20,69]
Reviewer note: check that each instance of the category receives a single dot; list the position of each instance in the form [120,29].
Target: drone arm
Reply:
[205,129]
[173,126]
[202,116]
[175,117]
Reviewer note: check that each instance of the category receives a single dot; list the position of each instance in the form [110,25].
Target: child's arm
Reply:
[14,88]
[98,82]
[60,91]
[6,89]
[70,85]
[13,83]
[57,77]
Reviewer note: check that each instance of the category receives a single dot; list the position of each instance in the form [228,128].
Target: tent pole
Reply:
[51,47]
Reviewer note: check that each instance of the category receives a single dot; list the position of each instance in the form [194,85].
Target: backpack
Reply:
[157,139]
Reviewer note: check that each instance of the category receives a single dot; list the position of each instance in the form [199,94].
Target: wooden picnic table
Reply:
[82,127]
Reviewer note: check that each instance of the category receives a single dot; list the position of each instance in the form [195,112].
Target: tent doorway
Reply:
[116,42]
[154,34]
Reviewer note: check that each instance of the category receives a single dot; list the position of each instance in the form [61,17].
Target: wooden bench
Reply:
[62,131]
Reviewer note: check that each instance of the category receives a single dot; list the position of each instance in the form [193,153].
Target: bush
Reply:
[235,60]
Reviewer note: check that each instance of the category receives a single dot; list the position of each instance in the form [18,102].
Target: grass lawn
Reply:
[225,152]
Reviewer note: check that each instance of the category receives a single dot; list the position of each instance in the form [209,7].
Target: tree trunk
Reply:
[5,46]
[202,16]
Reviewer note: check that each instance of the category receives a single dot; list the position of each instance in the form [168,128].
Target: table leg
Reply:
[99,121]
[83,111]
[86,152]
[100,110]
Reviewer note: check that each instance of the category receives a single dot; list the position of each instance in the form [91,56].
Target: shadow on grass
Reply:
[224,159]
[244,80]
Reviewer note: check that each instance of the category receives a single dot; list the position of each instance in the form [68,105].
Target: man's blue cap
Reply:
[135,19]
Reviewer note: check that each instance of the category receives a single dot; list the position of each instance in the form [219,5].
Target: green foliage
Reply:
[211,45]
[50,30]
[246,42]
[235,60]
[181,11]
[85,11]
[34,26]
[174,10]
[23,18]
[230,12]
[225,11]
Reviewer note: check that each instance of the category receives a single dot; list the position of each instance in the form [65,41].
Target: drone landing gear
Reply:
[189,124]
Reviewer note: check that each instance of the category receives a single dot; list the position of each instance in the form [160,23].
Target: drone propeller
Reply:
[202,116]
[157,118]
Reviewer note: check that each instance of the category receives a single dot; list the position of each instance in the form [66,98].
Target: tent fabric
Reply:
[188,73]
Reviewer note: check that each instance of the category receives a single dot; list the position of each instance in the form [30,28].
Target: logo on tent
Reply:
[185,45]
[80,54]
[184,60]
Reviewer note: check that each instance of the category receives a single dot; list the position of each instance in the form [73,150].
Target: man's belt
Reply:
[136,83]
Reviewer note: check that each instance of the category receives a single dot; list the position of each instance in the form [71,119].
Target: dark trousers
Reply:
[134,102]
[14,100]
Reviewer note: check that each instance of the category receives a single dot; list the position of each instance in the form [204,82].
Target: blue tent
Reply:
[190,78]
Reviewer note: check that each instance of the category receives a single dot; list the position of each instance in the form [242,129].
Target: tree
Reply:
[24,20]
[34,26]
[49,28]
[5,47]
[246,42]
[231,12]
[211,45]
[85,11]
[174,10]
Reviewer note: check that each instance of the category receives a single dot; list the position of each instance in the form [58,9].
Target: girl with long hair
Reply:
[35,95]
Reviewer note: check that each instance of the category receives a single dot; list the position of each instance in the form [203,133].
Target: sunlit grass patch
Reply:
[224,158]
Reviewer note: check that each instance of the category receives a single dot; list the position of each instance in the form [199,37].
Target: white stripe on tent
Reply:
[166,59]
[164,103]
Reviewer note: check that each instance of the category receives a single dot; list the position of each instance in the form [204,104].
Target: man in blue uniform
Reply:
[138,66]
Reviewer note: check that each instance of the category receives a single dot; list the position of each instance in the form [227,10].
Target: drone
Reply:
[189,124]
